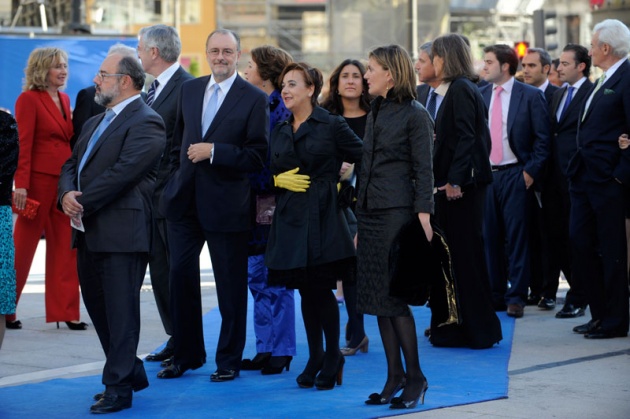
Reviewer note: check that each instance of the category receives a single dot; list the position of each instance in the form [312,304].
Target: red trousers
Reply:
[62,281]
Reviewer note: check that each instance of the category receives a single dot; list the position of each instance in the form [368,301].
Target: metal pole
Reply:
[176,15]
[414,29]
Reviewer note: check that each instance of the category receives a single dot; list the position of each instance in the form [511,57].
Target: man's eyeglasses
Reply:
[102,75]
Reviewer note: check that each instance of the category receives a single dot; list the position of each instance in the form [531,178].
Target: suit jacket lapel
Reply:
[556,102]
[113,126]
[609,83]
[168,88]
[515,102]
[55,113]
[577,99]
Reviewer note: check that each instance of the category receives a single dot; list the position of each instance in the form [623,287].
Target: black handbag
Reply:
[417,265]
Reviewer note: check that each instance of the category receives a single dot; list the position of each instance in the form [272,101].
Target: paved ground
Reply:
[554,373]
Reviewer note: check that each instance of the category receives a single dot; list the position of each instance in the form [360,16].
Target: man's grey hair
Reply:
[164,38]
[122,49]
[614,33]
[426,47]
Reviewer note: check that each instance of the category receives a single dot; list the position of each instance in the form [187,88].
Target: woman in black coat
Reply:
[310,245]
[461,166]
[396,188]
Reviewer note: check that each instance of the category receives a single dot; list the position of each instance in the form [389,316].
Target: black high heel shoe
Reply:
[16,324]
[257,363]
[378,399]
[276,364]
[399,403]
[75,326]
[307,378]
[326,381]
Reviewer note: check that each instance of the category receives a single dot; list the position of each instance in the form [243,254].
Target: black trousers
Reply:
[158,266]
[110,284]
[228,254]
[598,238]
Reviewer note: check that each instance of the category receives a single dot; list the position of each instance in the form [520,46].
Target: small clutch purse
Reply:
[265,207]
[30,209]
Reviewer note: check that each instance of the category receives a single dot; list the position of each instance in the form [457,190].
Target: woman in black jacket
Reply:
[461,167]
[396,187]
[310,245]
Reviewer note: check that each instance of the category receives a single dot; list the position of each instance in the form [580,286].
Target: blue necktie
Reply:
[109,115]
[567,101]
[211,110]
[432,104]
[151,92]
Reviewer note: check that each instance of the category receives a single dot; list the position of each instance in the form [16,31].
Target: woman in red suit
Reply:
[45,128]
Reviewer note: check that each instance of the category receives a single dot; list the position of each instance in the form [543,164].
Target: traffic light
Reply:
[544,24]
[521,48]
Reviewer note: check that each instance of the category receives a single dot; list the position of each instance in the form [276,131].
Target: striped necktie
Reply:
[151,92]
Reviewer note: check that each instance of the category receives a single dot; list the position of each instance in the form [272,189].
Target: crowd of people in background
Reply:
[522,170]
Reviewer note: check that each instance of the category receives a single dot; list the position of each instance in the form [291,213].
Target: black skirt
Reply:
[377,231]
[319,276]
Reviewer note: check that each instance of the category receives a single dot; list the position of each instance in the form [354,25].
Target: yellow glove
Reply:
[292,181]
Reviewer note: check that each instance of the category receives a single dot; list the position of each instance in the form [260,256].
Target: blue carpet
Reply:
[456,377]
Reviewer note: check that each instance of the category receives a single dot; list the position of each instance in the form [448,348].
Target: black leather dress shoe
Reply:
[547,303]
[223,375]
[600,333]
[111,403]
[172,371]
[586,328]
[160,356]
[570,311]
[167,362]
[136,388]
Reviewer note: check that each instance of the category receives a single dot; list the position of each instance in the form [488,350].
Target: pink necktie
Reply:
[496,128]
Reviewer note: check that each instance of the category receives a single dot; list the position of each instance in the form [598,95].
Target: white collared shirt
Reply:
[576,86]
[164,77]
[506,95]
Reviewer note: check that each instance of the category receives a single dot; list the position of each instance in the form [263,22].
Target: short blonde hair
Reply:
[39,63]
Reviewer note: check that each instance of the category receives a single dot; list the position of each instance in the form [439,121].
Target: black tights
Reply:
[320,313]
[355,331]
[399,333]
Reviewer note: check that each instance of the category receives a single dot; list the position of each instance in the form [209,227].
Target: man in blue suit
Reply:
[220,135]
[573,69]
[519,129]
[159,48]
[599,174]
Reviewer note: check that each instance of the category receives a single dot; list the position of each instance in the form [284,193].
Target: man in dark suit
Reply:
[573,69]
[159,47]
[207,200]
[105,187]
[427,95]
[519,129]
[536,66]
[599,173]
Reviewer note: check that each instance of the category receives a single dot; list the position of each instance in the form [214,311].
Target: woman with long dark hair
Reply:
[348,96]
[461,167]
